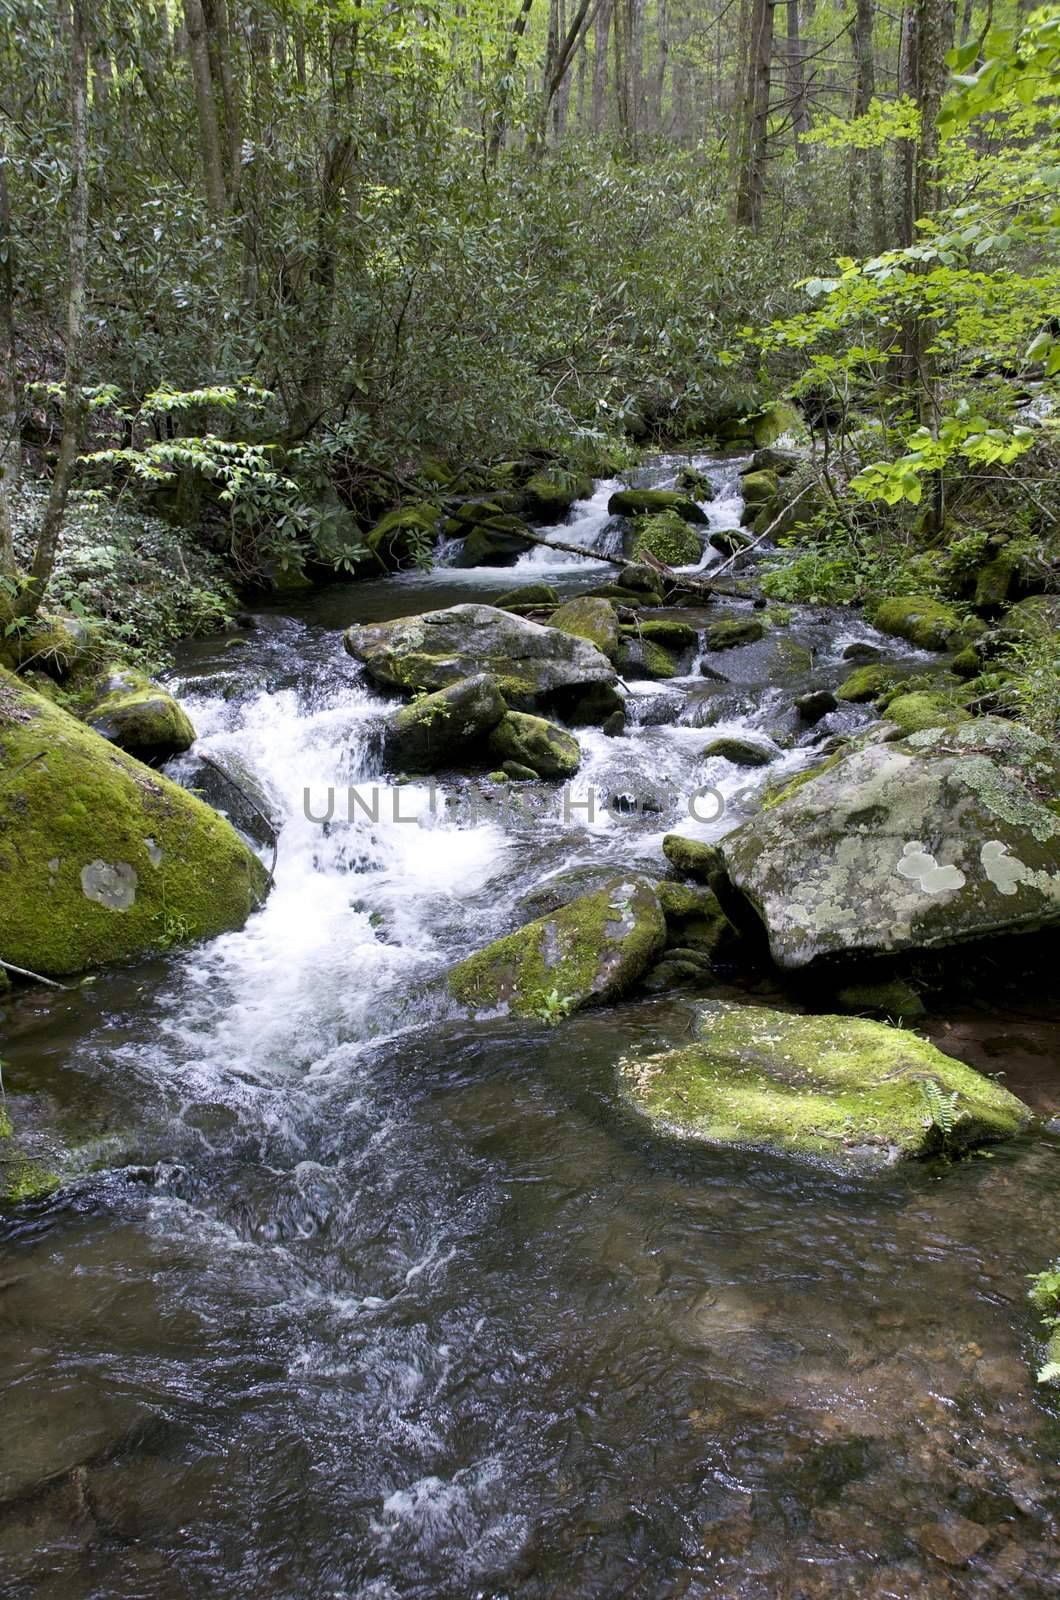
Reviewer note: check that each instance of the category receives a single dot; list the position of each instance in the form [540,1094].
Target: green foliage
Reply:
[553,1007]
[941,1107]
[1044,1294]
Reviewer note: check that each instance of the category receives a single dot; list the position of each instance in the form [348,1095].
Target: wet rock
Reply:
[590,619]
[837,1089]
[945,836]
[861,652]
[403,536]
[589,951]
[80,821]
[440,729]
[530,662]
[695,484]
[637,578]
[924,621]
[815,705]
[955,1540]
[730,541]
[772,459]
[669,632]
[517,773]
[646,502]
[865,684]
[691,857]
[614,726]
[528,594]
[676,972]
[58,646]
[549,494]
[496,543]
[563,887]
[536,744]
[733,631]
[140,717]
[741,752]
[640,657]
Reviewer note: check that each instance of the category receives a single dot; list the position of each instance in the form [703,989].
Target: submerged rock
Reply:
[440,728]
[102,859]
[534,745]
[835,1088]
[591,950]
[531,663]
[646,502]
[944,836]
[140,717]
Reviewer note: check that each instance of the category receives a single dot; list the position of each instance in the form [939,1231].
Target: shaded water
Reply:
[367,1301]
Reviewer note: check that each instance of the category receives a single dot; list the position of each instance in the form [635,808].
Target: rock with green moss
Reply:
[492,533]
[948,835]
[775,420]
[140,717]
[865,684]
[667,537]
[439,730]
[730,541]
[532,664]
[840,1090]
[649,502]
[695,484]
[741,752]
[59,646]
[923,708]
[641,657]
[640,579]
[550,493]
[1034,618]
[667,631]
[587,952]
[403,536]
[694,919]
[538,595]
[772,459]
[731,632]
[892,998]
[635,599]
[692,858]
[101,859]
[928,623]
[993,582]
[592,619]
[536,745]
[759,487]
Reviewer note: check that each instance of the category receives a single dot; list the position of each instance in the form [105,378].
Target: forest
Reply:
[529,798]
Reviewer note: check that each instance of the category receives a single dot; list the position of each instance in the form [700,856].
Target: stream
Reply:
[356,1299]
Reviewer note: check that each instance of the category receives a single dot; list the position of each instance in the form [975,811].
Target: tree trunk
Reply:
[756,117]
[864,90]
[601,28]
[905,157]
[10,442]
[500,116]
[74,408]
[800,115]
[206,109]
[221,34]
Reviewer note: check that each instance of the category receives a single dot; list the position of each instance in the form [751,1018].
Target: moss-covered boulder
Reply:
[647,502]
[403,536]
[741,752]
[493,535]
[695,484]
[770,424]
[667,631]
[1034,618]
[840,1090]
[101,859]
[587,952]
[537,595]
[993,582]
[730,632]
[772,459]
[591,619]
[439,730]
[892,998]
[550,493]
[536,745]
[928,623]
[948,835]
[667,537]
[640,579]
[923,708]
[641,657]
[865,684]
[56,645]
[691,857]
[531,663]
[694,919]
[730,541]
[140,717]
[759,487]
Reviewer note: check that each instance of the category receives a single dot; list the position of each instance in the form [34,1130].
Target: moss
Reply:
[27,1181]
[58,646]
[780,795]
[691,857]
[644,658]
[924,709]
[668,538]
[591,619]
[891,999]
[741,752]
[530,594]
[774,421]
[966,663]
[758,488]
[829,1087]
[924,621]
[140,717]
[865,683]
[674,635]
[695,484]
[733,631]
[650,502]
[590,950]
[994,581]
[549,494]
[102,859]
[396,537]
[534,743]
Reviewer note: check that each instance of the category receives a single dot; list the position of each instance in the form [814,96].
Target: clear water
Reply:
[365,1301]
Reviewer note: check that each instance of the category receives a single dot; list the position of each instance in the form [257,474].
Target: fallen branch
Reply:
[24,972]
[676,580]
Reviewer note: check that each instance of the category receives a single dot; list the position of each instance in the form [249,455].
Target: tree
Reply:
[206,108]
[752,179]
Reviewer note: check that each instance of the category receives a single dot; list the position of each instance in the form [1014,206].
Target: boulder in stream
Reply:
[646,502]
[101,859]
[928,623]
[438,729]
[140,717]
[841,1090]
[534,744]
[549,494]
[592,619]
[944,836]
[587,952]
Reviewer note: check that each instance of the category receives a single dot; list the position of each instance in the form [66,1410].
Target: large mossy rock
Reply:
[140,717]
[924,708]
[531,663]
[56,645]
[549,494]
[101,859]
[865,683]
[666,536]
[1034,618]
[641,657]
[493,535]
[928,623]
[587,952]
[948,835]
[646,502]
[759,486]
[536,744]
[837,1089]
[588,618]
[399,538]
[731,632]
[438,729]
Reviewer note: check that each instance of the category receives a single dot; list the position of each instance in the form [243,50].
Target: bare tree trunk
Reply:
[864,90]
[601,28]
[560,54]
[756,117]
[221,33]
[800,114]
[10,441]
[206,108]
[74,408]
[905,175]
[500,116]
[662,53]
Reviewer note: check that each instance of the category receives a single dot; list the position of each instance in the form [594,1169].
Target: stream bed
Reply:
[357,1299]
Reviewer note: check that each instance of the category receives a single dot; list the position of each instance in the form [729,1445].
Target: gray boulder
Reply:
[438,729]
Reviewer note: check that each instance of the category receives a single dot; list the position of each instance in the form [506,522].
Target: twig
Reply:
[24,972]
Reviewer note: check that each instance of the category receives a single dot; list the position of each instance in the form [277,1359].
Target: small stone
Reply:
[955,1540]
[816,704]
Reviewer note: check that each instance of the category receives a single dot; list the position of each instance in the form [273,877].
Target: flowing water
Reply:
[356,1299]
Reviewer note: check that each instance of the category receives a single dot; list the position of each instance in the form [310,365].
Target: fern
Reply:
[941,1107]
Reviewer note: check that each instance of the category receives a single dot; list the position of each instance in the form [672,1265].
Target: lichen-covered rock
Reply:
[945,836]
[924,621]
[741,752]
[399,538]
[140,717]
[101,859]
[865,684]
[840,1090]
[438,729]
[640,657]
[591,619]
[587,952]
[647,502]
[531,663]
[536,745]
[550,493]
[733,631]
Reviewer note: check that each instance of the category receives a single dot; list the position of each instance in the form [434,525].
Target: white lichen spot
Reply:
[921,868]
[154,851]
[110,884]
[1008,873]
